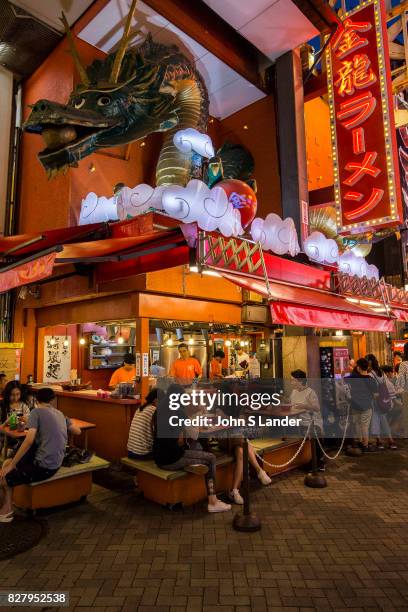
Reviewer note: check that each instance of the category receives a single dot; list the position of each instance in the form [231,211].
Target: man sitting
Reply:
[42,452]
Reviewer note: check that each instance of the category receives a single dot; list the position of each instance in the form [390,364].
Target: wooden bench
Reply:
[277,451]
[168,488]
[68,485]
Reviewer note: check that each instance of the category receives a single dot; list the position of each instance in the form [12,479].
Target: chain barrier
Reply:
[299,450]
[332,457]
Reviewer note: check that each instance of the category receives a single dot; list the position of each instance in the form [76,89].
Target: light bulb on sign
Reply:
[246,343]
[66,341]
[169,342]
[228,343]
[82,341]
[121,340]
[191,341]
[242,343]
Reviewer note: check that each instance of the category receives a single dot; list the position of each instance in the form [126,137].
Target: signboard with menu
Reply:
[366,174]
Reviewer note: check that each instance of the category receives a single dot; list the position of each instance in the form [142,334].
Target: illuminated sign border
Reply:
[388,122]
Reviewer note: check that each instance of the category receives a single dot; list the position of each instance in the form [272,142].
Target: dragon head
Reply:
[120,99]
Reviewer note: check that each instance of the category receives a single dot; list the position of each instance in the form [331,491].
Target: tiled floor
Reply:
[341,548]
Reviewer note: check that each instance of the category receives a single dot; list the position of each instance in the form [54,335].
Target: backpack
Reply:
[383,402]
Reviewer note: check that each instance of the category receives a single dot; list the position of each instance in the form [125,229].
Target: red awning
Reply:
[26,244]
[400,315]
[30,272]
[108,248]
[291,305]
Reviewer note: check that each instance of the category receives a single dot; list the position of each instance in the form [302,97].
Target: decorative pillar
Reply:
[142,348]
[292,144]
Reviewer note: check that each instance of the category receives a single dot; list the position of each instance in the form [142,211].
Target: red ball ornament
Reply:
[241,197]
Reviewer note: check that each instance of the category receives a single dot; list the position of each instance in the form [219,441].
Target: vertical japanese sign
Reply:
[366,177]
[57,359]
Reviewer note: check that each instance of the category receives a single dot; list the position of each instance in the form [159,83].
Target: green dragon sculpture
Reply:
[123,98]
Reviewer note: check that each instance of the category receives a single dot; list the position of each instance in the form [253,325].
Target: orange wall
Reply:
[260,138]
[318,144]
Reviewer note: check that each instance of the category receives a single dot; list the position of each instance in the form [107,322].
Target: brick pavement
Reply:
[340,548]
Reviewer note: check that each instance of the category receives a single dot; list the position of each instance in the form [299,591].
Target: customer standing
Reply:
[305,398]
[401,385]
[363,392]
[382,405]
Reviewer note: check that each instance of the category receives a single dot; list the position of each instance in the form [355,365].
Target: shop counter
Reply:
[111,416]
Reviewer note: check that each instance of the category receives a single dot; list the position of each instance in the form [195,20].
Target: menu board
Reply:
[10,359]
[57,359]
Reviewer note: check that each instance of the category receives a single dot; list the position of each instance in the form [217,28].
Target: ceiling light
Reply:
[82,341]
[191,341]
[228,343]
[169,342]
[121,340]
[242,343]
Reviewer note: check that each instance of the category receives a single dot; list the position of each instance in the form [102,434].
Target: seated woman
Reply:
[13,403]
[142,428]
[42,452]
[170,452]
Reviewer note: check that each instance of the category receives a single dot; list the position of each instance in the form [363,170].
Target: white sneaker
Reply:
[236,497]
[264,478]
[219,506]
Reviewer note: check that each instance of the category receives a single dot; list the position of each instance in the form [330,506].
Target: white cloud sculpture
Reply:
[192,140]
[209,208]
[136,201]
[320,249]
[276,235]
[97,210]
[352,264]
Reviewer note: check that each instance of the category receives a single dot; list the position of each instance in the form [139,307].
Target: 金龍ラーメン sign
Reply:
[366,179]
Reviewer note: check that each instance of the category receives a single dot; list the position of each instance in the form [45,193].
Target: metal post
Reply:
[246,521]
[314,479]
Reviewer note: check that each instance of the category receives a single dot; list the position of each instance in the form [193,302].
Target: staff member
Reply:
[216,365]
[185,368]
[125,374]
[241,358]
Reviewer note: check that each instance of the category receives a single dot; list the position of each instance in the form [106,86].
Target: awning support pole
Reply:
[268,287]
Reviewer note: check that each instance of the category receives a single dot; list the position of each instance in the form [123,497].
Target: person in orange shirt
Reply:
[125,374]
[185,368]
[216,365]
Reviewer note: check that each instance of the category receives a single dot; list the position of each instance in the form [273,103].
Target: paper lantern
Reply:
[242,198]
[190,139]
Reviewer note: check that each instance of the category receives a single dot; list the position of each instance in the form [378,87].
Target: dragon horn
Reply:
[75,55]
[120,53]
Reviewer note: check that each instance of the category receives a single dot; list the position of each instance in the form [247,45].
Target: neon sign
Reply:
[366,177]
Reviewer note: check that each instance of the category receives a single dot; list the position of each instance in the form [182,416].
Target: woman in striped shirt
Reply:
[142,429]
